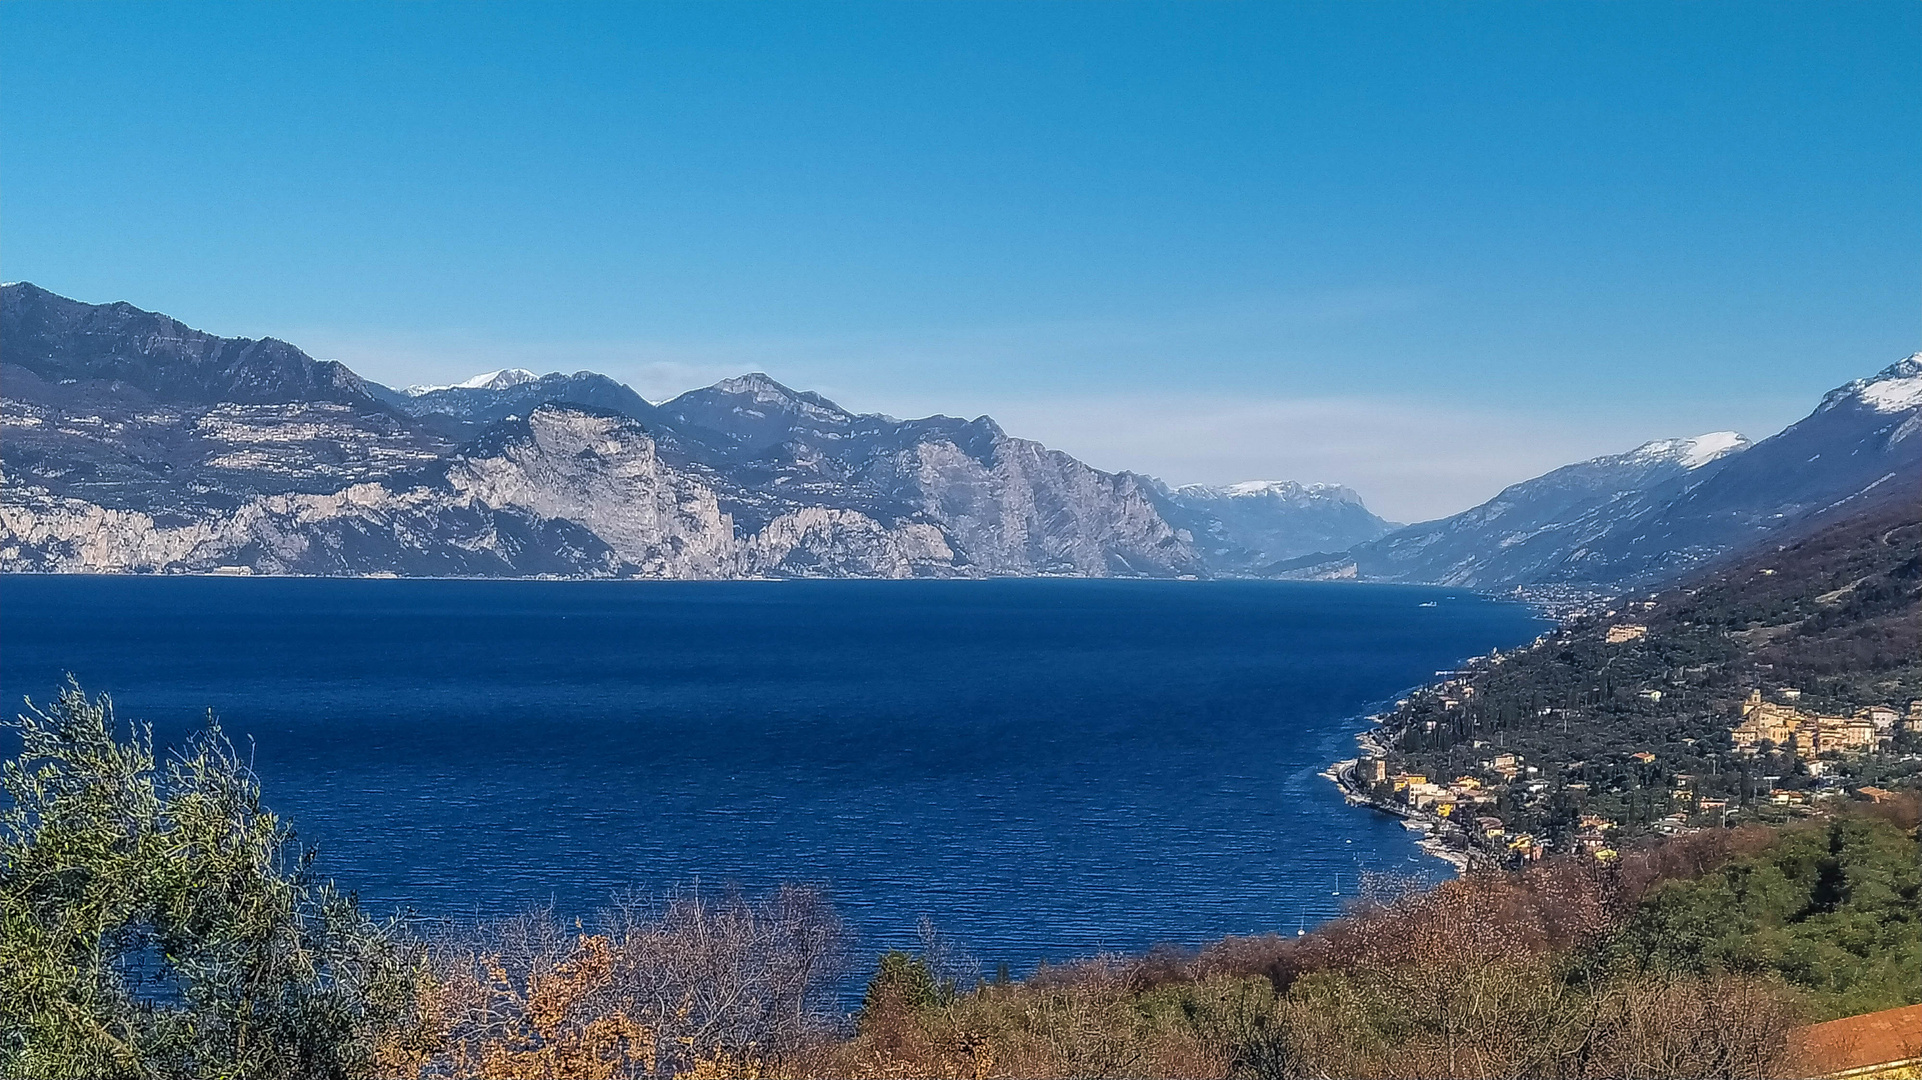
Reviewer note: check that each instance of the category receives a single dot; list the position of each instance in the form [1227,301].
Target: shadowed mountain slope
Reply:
[1657,512]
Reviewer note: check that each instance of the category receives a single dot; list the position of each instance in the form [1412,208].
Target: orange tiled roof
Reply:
[1873,1044]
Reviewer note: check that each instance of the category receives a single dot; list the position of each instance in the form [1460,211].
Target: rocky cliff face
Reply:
[1019,507]
[1001,505]
[132,443]
[566,492]
[599,471]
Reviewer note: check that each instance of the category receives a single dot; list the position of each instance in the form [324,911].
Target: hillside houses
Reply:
[1632,712]
[1808,735]
[1622,633]
[1419,793]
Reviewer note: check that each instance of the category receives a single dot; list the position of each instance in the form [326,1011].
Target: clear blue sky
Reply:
[1423,249]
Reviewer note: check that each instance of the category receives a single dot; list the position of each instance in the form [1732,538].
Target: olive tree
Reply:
[156,921]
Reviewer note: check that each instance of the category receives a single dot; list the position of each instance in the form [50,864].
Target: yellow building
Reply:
[1800,733]
[1766,721]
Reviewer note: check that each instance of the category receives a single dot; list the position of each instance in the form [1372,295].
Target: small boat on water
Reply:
[1414,826]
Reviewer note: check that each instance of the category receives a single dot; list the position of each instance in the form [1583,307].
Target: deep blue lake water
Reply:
[1044,768]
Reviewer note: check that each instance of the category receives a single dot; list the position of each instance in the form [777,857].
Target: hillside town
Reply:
[1745,695]
[1462,819]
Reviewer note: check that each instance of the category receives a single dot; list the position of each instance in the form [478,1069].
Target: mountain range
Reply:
[130,442]
[1655,513]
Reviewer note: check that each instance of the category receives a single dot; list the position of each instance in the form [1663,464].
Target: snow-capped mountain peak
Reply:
[1258,522]
[1281,490]
[1703,449]
[1690,453]
[1267,487]
[486,380]
[1895,388]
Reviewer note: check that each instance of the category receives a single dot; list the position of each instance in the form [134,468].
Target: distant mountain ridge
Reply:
[487,380]
[133,443]
[1251,525]
[1525,530]
[1659,511]
[461,411]
[149,356]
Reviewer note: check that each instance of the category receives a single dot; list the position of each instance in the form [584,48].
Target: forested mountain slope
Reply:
[1626,713]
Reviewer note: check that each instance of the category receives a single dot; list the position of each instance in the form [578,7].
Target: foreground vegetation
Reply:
[156,921]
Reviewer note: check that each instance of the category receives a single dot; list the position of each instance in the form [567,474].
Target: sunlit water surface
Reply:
[1043,768]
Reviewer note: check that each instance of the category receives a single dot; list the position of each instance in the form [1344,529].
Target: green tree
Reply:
[1834,910]
[156,921]
[903,980]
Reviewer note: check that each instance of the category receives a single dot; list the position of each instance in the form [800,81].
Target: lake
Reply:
[1043,768]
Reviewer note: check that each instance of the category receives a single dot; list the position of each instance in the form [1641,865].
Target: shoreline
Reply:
[1434,830]
[1539,607]
[1374,739]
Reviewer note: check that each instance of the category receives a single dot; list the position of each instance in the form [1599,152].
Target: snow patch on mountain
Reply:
[1703,449]
[486,380]
[1690,453]
[1893,389]
[1896,388]
[1285,490]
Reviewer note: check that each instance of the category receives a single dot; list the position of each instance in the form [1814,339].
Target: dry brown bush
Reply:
[1723,1026]
[1689,856]
[1547,908]
[1903,810]
[1080,1020]
[684,986]
[1518,1018]
[1467,979]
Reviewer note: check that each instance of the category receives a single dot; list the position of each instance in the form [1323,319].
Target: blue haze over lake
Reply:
[1044,768]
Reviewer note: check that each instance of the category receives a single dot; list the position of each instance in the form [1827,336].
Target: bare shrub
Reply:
[1519,1018]
[684,985]
[1683,1027]
[1903,809]
[1085,1019]
[1689,856]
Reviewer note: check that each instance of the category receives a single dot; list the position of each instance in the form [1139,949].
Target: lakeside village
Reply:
[1481,815]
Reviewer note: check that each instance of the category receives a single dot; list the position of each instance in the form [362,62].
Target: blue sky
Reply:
[1423,249]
